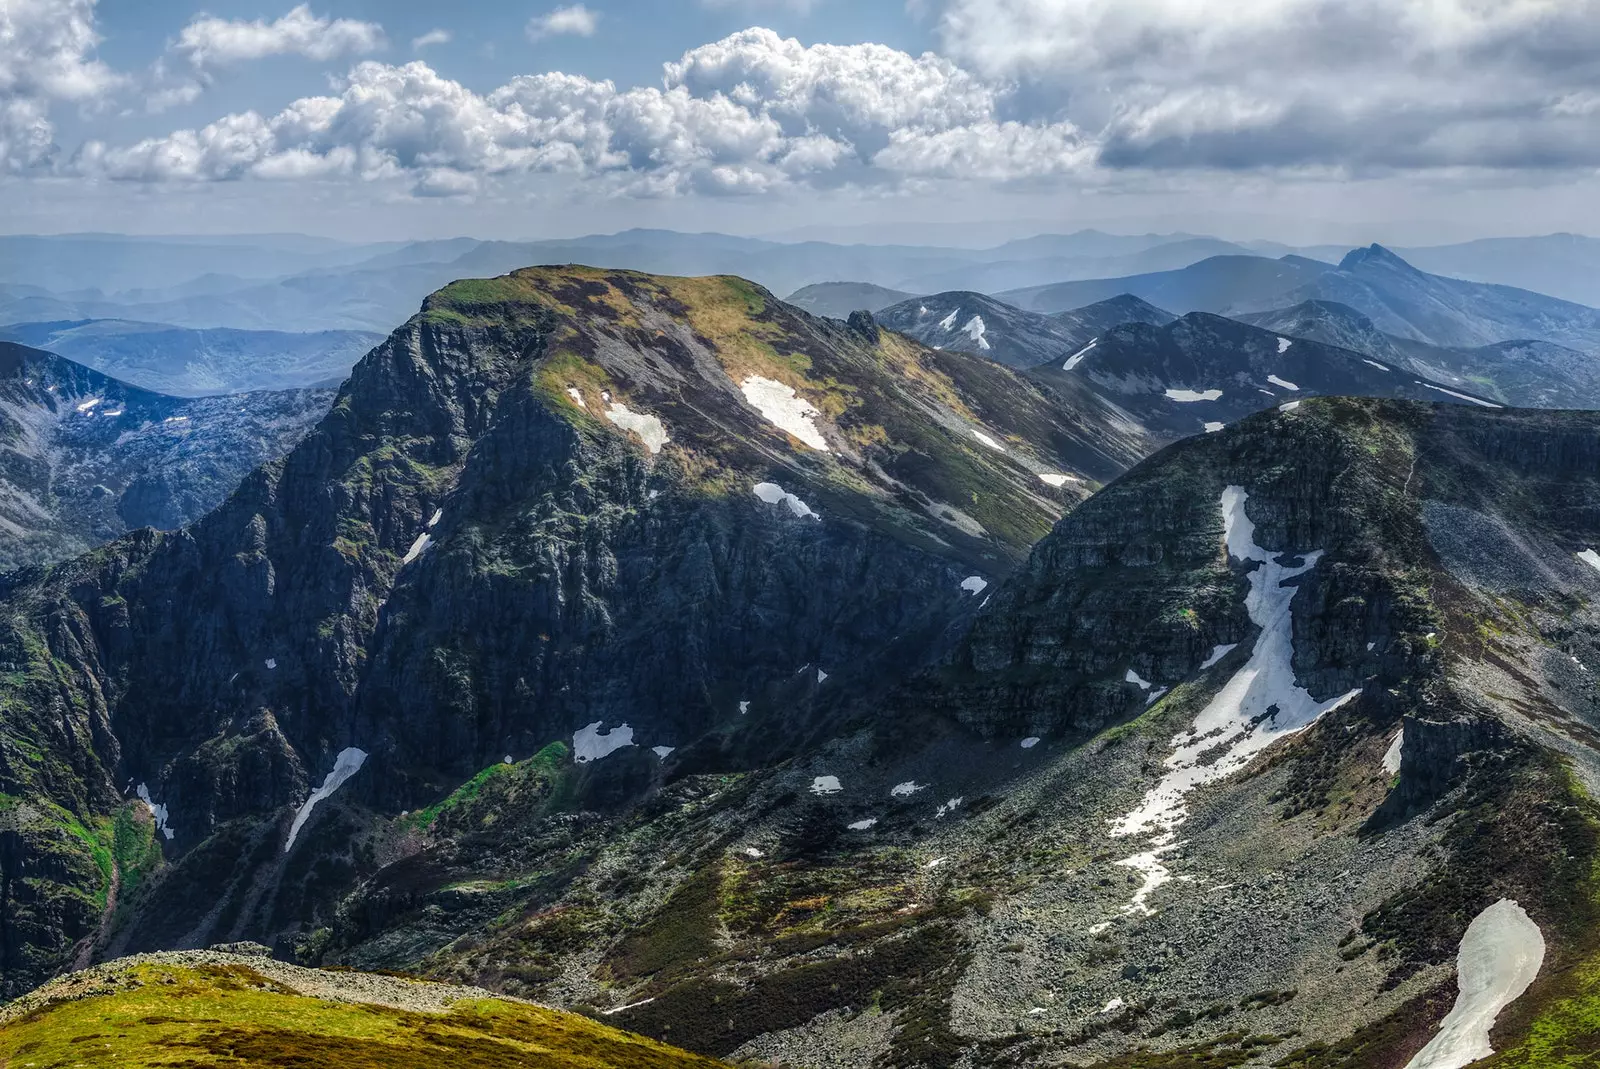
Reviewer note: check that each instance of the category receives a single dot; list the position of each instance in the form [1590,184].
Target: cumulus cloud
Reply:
[576,20]
[46,55]
[209,41]
[751,113]
[1342,85]
[431,38]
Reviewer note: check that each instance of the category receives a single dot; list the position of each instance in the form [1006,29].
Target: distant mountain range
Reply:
[301,284]
[837,300]
[186,362]
[85,457]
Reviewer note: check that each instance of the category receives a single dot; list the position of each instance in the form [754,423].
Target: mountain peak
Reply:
[1373,255]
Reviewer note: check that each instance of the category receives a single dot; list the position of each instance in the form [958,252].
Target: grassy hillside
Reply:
[208,1008]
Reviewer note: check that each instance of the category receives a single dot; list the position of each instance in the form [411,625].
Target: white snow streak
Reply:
[988,441]
[1374,363]
[1391,756]
[577,397]
[948,807]
[1056,480]
[646,426]
[347,764]
[949,321]
[974,584]
[1133,677]
[1283,345]
[1259,705]
[176,419]
[862,825]
[1285,383]
[780,406]
[975,330]
[433,521]
[1218,654]
[1462,396]
[87,405]
[1193,395]
[773,494]
[1077,358]
[1500,955]
[418,548]
[589,745]
[907,789]
[1289,406]
[159,812]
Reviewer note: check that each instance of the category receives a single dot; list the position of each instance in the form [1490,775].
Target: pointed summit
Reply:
[1374,255]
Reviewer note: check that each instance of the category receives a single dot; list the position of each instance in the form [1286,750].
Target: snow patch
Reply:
[1193,395]
[975,330]
[949,807]
[113,413]
[949,321]
[159,812]
[862,825]
[1289,406]
[988,441]
[974,584]
[1374,363]
[1283,345]
[646,426]
[589,745]
[780,406]
[907,789]
[1500,955]
[936,862]
[826,785]
[751,851]
[662,751]
[89,404]
[1030,742]
[744,707]
[629,1006]
[773,494]
[1133,677]
[1077,358]
[1285,383]
[272,662]
[1591,558]
[1391,756]
[347,764]
[1218,654]
[176,419]
[1461,396]
[1259,705]
[577,397]
[1113,1006]
[433,521]
[418,548]
[1050,478]
[822,677]
[1212,427]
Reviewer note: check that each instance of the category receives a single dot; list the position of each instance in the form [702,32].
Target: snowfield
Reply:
[347,764]
[1188,396]
[780,406]
[1500,955]
[647,427]
[589,745]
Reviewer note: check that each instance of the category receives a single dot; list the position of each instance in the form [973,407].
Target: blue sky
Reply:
[1301,120]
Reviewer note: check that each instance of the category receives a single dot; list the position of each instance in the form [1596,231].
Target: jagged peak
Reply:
[1374,255]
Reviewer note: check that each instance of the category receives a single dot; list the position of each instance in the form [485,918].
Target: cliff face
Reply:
[560,499]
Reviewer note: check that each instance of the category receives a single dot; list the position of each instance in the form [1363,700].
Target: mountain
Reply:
[1201,372]
[552,663]
[85,457]
[972,323]
[1004,274]
[238,1005]
[1531,374]
[554,514]
[1093,320]
[1561,265]
[1408,303]
[186,362]
[1212,285]
[837,300]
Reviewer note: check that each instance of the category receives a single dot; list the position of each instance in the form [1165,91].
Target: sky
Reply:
[1406,121]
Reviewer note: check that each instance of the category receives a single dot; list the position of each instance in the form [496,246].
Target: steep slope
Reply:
[973,323]
[1408,303]
[1530,374]
[837,300]
[220,1007]
[85,457]
[1092,320]
[184,362]
[603,512]
[1258,741]
[1212,285]
[1201,372]
[1562,265]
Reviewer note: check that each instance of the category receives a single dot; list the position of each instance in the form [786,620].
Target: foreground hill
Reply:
[618,514]
[85,457]
[185,362]
[227,1008]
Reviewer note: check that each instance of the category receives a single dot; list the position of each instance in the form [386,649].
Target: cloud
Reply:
[751,113]
[576,20]
[209,41]
[1339,86]
[429,39]
[46,56]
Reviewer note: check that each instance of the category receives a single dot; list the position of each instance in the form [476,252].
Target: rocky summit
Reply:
[784,689]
